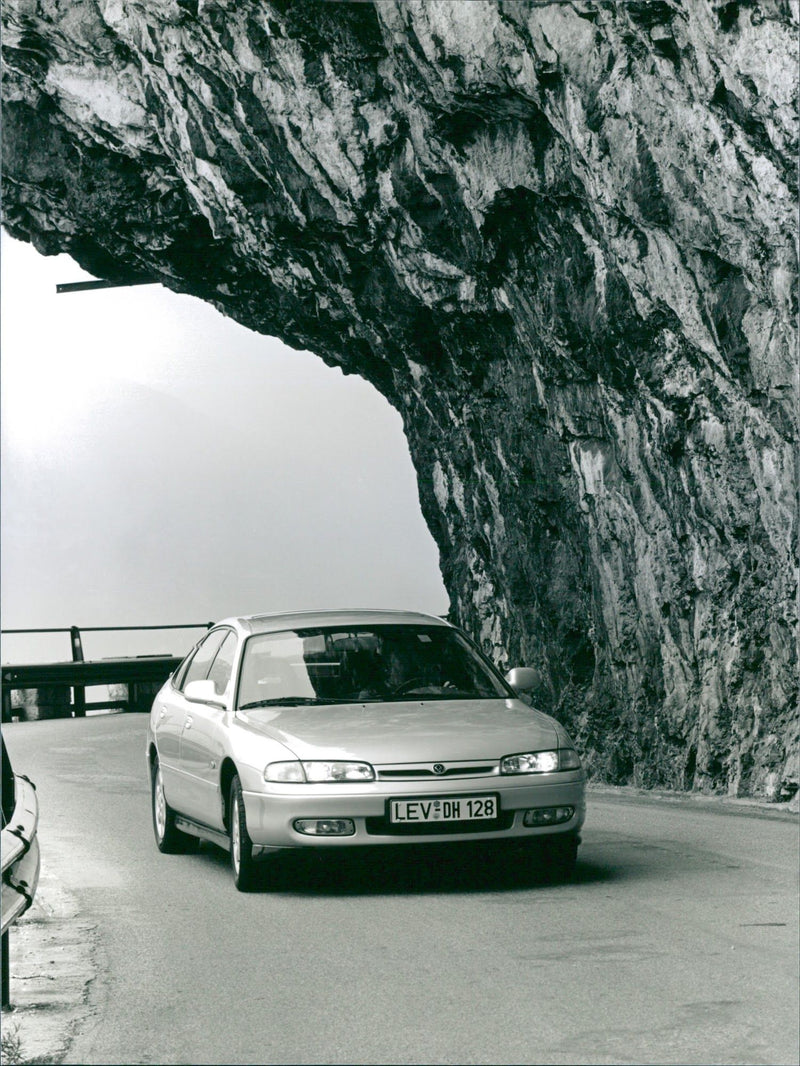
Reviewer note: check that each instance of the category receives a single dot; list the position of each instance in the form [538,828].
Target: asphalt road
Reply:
[677,942]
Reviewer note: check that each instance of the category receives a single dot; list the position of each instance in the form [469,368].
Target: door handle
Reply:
[188,723]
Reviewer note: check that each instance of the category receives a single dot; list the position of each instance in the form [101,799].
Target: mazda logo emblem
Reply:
[438,768]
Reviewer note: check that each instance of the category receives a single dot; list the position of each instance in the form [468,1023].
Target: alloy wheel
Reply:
[236,839]
[160,805]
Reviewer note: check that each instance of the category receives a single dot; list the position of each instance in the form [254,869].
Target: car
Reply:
[20,850]
[340,729]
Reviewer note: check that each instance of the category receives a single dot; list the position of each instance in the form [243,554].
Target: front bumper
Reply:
[271,815]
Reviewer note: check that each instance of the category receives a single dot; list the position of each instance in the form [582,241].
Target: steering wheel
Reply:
[410,685]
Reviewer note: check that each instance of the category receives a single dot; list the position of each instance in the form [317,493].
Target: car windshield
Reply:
[363,664]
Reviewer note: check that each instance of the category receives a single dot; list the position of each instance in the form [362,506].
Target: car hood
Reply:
[381,733]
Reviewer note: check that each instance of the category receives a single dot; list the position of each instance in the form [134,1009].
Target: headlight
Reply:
[317,771]
[338,771]
[540,762]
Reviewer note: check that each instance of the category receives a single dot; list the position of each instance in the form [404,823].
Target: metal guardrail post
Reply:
[78,691]
[77,644]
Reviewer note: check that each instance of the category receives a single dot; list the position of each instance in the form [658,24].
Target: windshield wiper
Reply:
[288,701]
[433,693]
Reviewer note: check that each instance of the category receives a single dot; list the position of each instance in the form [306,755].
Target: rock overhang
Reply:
[559,238]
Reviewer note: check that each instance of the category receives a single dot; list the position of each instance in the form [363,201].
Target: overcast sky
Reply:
[162,464]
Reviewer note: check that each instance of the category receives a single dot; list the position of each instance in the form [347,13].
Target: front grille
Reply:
[409,773]
[383,827]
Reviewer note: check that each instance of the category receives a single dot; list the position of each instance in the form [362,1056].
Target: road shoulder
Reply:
[51,965]
[699,800]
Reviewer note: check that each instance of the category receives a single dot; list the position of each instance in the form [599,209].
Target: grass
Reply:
[10,1045]
[11,1049]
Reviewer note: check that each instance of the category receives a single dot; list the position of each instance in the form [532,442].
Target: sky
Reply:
[163,465]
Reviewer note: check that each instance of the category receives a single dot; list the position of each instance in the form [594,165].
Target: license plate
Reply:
[452,809]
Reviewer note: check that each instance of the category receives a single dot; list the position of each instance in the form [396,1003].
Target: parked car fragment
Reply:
[20,844]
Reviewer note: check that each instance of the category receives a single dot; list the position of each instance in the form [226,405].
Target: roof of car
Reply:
[265,623]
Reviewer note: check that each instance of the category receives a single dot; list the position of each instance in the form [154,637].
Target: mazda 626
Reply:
[356,728]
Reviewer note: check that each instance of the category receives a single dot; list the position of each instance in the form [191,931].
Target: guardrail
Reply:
[77,674]
[20,858]
[20,853]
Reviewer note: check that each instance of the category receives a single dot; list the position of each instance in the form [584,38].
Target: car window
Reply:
[180,672]
[202,659]
[221,668]
[8,787]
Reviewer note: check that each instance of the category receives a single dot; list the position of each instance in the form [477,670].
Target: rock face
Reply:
[558,237]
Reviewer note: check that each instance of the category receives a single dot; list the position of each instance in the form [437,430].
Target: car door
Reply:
[168,713]
[202,743]
[170,716]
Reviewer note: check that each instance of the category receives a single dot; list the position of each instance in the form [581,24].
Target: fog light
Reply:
[325,827]
[547,816]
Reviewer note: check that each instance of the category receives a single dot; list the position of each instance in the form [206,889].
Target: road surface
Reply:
[677,942]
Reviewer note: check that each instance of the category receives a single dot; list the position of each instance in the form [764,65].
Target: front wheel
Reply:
[242,861]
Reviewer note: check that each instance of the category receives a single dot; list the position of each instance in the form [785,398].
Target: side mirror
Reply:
[204,691]
[524,678]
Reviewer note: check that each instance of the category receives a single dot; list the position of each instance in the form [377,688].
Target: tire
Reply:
[559,857]
[242,862]
[169,839]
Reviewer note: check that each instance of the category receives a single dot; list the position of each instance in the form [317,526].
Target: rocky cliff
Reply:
[559,237]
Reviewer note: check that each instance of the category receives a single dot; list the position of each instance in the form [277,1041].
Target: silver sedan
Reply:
[352,728]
